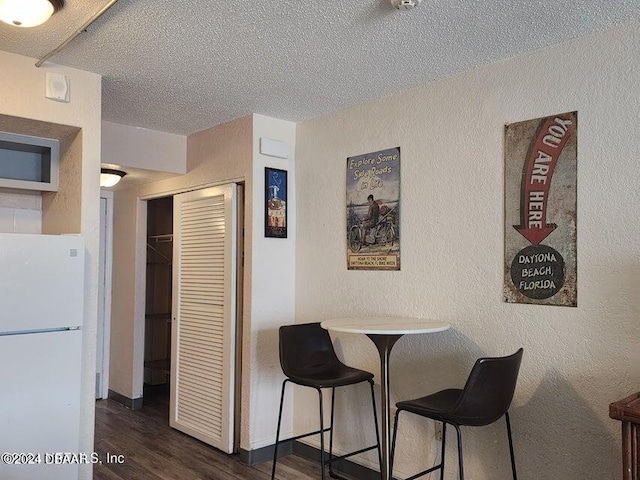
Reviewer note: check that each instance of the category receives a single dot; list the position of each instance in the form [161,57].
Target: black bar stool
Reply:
[486,398]
[307,358]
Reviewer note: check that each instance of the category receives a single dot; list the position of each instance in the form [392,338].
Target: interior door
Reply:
[204,309]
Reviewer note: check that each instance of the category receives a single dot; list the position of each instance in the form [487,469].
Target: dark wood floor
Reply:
[152,450]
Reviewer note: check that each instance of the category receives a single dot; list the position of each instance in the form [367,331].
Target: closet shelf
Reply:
[162,365]
[162,238]
[158,316]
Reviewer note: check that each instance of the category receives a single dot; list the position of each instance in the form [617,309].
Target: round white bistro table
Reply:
[384,332]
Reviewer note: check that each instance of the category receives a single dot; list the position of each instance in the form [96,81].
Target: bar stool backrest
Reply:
[306,349]
[489,390]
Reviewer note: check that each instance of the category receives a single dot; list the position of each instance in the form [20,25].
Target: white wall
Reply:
[577,360]
[273,289]
[143,148]
[22,95]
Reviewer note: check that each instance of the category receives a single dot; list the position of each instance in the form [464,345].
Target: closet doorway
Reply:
[193,310]
[159,276]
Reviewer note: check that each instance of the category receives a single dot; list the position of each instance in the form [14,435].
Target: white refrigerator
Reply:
[41,315]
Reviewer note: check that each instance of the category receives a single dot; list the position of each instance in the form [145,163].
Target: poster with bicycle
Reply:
[373,211]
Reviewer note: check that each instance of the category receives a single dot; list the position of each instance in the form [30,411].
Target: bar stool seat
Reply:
[334,376]
[308,359]
[440,405]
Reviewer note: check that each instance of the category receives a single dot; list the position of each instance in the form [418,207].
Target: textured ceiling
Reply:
[186,65]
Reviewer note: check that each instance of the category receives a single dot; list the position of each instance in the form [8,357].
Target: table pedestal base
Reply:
[384,344]
[384,332]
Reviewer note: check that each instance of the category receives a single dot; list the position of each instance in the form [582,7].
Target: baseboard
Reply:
[264,454]
[346,468]
[130,403]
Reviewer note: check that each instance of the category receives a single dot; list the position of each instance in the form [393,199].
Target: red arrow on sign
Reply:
[551,138]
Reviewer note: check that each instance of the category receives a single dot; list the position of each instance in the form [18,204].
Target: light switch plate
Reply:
[57,87]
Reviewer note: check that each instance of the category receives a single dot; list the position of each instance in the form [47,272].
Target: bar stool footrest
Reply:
[417,475]
[342,457]
[297,437]
[337,476]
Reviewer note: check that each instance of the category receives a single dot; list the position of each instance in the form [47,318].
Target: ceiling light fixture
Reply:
[109,177]
[405,4]
[28,13]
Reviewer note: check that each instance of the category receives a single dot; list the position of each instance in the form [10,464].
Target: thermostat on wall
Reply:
[57,87]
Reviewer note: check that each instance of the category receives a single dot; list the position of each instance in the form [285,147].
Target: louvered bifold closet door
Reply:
[203,329]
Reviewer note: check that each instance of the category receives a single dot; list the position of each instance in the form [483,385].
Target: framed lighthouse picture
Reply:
[540,244]
[275,204]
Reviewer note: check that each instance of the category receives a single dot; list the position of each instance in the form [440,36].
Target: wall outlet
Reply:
[392,413]
[437,431]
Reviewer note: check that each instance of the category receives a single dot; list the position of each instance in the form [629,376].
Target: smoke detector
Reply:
[405,4]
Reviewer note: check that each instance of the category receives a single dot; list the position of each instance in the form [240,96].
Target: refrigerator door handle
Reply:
[39,330]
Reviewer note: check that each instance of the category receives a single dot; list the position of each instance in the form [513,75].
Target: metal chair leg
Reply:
[275,450]
[322,430]
[375,421]
[444,438]
[321,433]
[460,452]
[333,402]
[393,443]
[513,458]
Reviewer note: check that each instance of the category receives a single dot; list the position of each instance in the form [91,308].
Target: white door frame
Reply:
[104,307]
